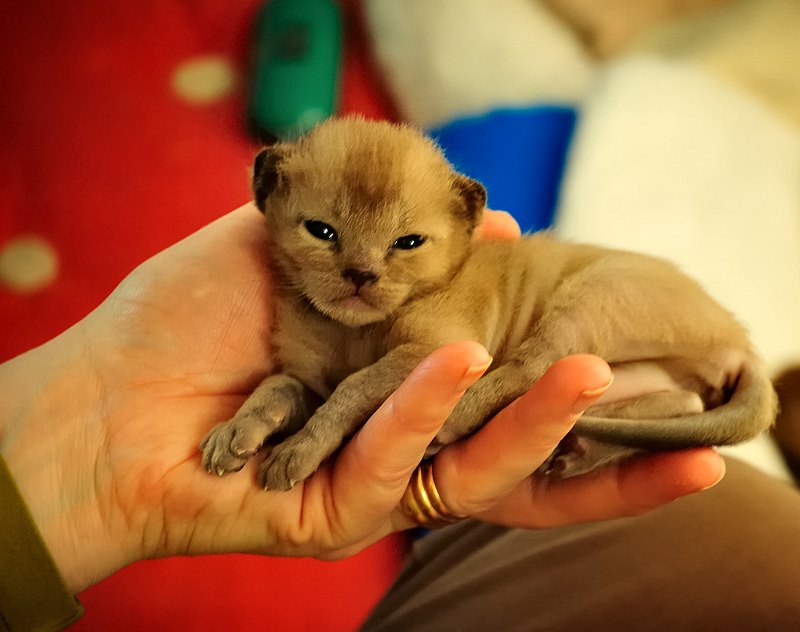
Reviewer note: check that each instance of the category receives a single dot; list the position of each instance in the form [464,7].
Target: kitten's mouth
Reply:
[353,310]
[356,302]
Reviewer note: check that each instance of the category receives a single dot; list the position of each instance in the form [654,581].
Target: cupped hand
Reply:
[177,348]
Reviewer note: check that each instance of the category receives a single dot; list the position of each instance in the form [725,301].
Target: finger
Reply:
[498,226]
[624,490]
[243,224]
[474,474]
[373,470]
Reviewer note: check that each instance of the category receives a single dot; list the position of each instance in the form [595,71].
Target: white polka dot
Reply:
[204,79]
[27,264]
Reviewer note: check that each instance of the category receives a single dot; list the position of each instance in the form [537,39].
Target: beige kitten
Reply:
[370,233]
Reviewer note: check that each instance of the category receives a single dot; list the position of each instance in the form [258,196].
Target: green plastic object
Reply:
[296,67]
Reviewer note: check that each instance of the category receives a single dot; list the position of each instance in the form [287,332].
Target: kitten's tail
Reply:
[751,409]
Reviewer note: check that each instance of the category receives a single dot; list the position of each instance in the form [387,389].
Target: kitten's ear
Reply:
[266,176]
[473,198]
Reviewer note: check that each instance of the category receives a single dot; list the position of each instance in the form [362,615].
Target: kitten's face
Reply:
[364,217]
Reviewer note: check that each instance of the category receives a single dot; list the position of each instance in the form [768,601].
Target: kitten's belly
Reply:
[520,325]
[511,315]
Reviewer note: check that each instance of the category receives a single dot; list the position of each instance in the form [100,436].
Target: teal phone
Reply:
[296,67]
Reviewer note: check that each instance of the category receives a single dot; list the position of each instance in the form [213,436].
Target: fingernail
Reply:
[720,476]
[587,398]
[472,374]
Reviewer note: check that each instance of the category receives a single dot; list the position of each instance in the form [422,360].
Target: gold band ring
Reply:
[422,502]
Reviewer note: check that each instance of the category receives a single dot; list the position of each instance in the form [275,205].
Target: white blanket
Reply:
[670,161]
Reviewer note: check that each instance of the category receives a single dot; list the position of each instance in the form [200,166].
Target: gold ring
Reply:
[422,502]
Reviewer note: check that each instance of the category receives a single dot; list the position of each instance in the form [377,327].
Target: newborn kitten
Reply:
[370,235]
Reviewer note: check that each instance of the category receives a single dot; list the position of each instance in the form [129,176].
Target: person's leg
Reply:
[787,426]
[726,559]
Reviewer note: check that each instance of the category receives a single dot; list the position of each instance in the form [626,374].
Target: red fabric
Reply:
[101,159]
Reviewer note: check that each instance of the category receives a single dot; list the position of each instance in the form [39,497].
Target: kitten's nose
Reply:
[359,277]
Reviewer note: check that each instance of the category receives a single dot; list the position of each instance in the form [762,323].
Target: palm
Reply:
[194,325]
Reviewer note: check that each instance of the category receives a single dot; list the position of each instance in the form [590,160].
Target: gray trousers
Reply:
[726,559]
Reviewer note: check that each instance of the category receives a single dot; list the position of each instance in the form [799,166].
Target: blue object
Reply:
[518,155]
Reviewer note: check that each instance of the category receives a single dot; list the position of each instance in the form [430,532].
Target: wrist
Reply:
[50,437]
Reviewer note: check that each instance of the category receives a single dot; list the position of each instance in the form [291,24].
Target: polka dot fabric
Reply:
[122,130]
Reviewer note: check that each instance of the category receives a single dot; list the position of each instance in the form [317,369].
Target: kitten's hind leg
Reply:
[577,454]
[281,403]
[666,404]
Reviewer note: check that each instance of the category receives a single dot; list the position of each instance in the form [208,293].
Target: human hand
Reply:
[100,428]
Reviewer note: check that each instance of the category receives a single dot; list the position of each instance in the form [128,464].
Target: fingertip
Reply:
[499,225]
[589,372]
[572,383]
[694,470]
[466,350]
[465,361]
[708,470]
[667,476]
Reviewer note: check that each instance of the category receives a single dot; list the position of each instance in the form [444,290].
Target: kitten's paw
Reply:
[216,448]
[443,438]
[288,464]
[433,448]
[465,419]
[449,433]
[577,455]
[228,446]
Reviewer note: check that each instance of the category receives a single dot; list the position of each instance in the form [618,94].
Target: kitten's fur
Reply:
[357,312]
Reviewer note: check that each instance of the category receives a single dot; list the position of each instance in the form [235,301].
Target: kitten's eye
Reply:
[409,242]
[320,230]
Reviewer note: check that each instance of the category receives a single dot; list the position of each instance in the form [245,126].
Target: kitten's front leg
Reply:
[488,396]
[354,400]
[280,403]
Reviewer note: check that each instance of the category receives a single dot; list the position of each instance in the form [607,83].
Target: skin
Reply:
[99,428]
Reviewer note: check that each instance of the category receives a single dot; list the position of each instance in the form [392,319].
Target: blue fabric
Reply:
[518,154]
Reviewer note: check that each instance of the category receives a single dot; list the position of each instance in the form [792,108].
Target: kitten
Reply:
[370,236]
